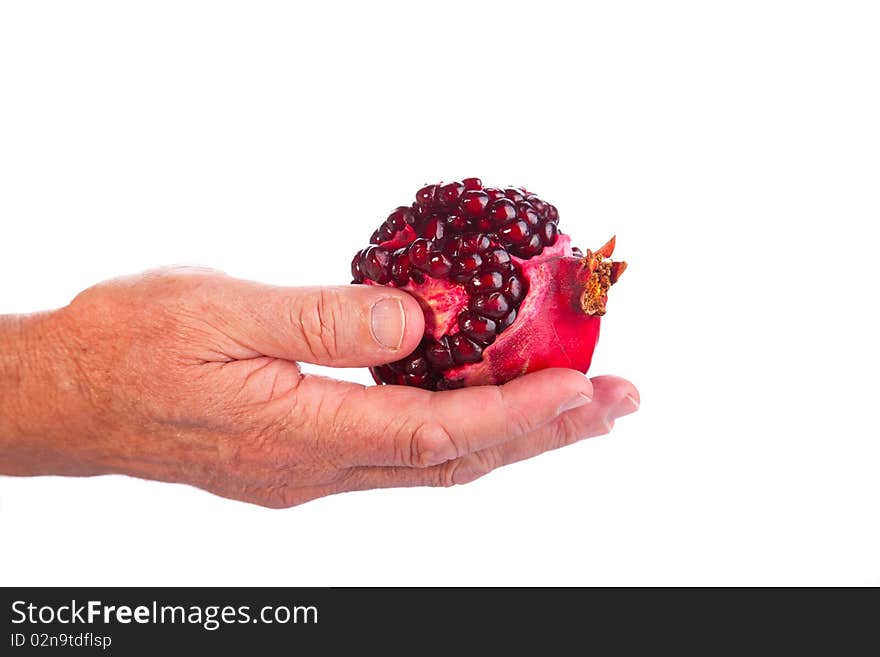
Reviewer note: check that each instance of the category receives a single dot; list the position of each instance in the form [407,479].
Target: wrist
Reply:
[39,405]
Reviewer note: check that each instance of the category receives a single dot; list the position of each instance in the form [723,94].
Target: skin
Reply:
[190,376]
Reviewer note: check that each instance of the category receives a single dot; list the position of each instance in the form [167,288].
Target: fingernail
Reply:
[629,404]
[576,402]
[388,323]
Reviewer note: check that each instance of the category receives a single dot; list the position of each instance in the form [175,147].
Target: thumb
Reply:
[339,326]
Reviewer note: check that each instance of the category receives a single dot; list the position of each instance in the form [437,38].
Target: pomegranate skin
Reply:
[551,329]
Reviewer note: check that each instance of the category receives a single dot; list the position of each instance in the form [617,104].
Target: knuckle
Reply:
[565,432]
[467,469]
[430,444]
[316,322]
[520,421]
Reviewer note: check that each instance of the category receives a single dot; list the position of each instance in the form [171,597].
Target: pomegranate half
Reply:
[503,291]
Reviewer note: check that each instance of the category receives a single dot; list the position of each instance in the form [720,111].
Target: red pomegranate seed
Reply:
[472,183]
[449,194]
[437,353]
[419,253]
[473,203]
[552,213]
[492,304]
[356,272]
[464,266]
[514,194]
[549,233]
[514,290]
[497,258]
[414,365]
[480,329]
[455,224]
[435,227]
[531,248]
[500,212]
[527,213]
[516,232]
[485,281]
[494,193]
[400,267]
[418,380]
[385,374]
[464,350]
[507,320]
[375,264]
[438,265]
[400,218]
[426,196]
[474,243]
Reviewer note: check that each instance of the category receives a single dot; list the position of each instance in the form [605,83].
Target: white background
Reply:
[734,148]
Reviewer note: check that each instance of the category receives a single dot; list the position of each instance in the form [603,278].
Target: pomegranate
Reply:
[503,291]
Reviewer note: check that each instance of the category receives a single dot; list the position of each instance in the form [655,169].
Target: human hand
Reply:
[187,375]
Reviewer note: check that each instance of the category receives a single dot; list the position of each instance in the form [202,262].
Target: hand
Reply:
[188,375]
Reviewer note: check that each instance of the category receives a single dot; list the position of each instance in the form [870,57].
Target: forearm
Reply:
[36,434]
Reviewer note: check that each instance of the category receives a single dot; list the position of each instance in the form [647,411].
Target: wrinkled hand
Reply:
[188,375]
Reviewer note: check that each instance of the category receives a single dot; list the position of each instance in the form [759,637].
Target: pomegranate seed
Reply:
[414,365]
[494,193]
[385,374]
[456,224]
[464,350]
[507,320]
[452,247]
[516,232]
[552,213]
[386,232]
[549,233]
[485,281]
[435,227]
[400,267]
[497,258]
[514,290]
[576,252]
[539,205]
[376,264]
[426,196]
[477,328]
[375,238]
[438,265]
[472,183]
[527,213]
[464,266]
[357,273]
[531,248]
[514,194]
[473,203]
[437,353]
[399,219]
[418,380]
[418,253]
[493,305]
[501,211]
[449,194]
[481,224]
[474,243]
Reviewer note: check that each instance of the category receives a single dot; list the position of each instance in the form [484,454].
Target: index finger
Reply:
[401,426]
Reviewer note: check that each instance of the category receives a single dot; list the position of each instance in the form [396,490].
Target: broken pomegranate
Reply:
[503,291]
